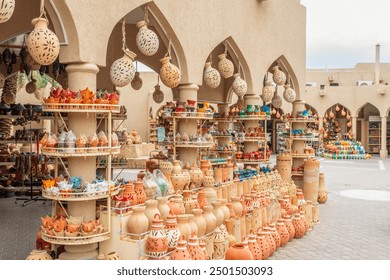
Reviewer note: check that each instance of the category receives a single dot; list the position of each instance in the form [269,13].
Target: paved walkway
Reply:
[350,228]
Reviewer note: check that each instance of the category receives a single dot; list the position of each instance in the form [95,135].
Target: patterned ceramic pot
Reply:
[194,248]
[268,91]
[211,76]
[150,211]
[122,71]
[278,76]
[181,252]
[157,242]
[146,40]
[254,247]
[7,8]
[196,175]
[170,75]
[289,94]
[298,226]
[219,244]
[136,83]
[200,221]
[283,232]
[263,244]
[225,66]
[172,231]
[211,220]
[38,255]
[239,85]
[238,252]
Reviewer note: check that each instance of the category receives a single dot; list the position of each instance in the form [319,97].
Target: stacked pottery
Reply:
[172,231]
[194,249]
[298,226]
[162,206]
[283,232]
[263,244]
[157,242]
[211,220]
[181,252]
[192,224]
[218,212]
[254,246]
[179,180]
[150,211]
[238,252]
[199,221]
[219,244]
[196,175]
[184,227]
[138,223]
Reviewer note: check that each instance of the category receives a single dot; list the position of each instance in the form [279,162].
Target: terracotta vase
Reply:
[285,203]
[38,255]
[187,201]
[122,70]
[229,227]
[211,220]
[263,244]
[204,166]
[43,45]
[289,94]
[304,221]
[157,242]
[179,180]
[283,232]
[184,227]
[203,249]
[219,244]
[225,210]
[278,76]
[200,221]
[146,40]
[194,249]
[166,167]
[225,234]
[267,92]
[172,231]
[239,85]
[192,224]
[275,235]
[162,206]
[218,175]
[225,66]
[254,247]
[210,193]
[238,252]
[196,175]
[138,223]
[140,191]
[217,211]
[237,206]
[298,226]
[271,242]
[180,252]
[290,227]
[322,190]
[176,205]
[170,75]
[150,211]
[211,76]
[202,200]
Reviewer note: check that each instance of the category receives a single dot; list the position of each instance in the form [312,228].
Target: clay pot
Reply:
[166,167]
[229,228]
[238,252]
[285,203]
[237,207]
[170,75]
[194,248]
[225,66]
[87,227]
[157,242]
[140,191]
[211,76]
[180,252]
[184,227]
[150,211]
[172,231]
[253,246]
[162,206]
[278,76]
[138,223]
[268,91]
[276,101]
[204,166]
[203,249]
[211,220]
[298,226]
[271,242]
[219,244]
[199,221]
[192,224]
[275,235]
[130,194]
[289,94]
[42,43]
[263,244]
[72,228]
[225,210]
[322,190]
[146,40]
[187,201]
[122,70]
[136,83]
[290,227]
[7,8]
[283,232]
[304,221]
[217,211]
[196,175]
[202,200]
[38,255]
[239,85]
[179,180]
[176,205]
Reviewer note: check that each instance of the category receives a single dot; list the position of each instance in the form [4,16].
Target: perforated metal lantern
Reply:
[225,66]
[211,76]
[170,74]
[122,70]
[239,85]
[289,94]
[278,76]
[146,40]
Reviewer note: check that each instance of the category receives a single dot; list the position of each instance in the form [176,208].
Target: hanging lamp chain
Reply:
[42,10]
[169,47]
[211,59]
[124,45]
[225,44]
[146,18]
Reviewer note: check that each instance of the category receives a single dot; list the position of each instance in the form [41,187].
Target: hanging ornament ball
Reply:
[136,83]
[276,101]
[239,85]
[225,66]
[122,71]
[343,113]
[337,108]
[267,92]
[289,94]
[7,8]
[32,63]
[2,80]
[348,116]
[158,95]
[331,114]
[42,43]
[211,76]
[147,41]
[169,73]
[278,76]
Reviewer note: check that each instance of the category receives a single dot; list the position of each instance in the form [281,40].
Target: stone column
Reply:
[354,126]
[188,92]
[383,152]
[80,76]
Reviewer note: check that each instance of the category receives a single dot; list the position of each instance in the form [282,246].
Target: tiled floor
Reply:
[350,228]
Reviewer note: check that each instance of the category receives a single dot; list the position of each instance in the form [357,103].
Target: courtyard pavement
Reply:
[350,228]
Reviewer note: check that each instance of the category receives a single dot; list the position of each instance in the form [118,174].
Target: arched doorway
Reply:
[337,123]
[368,129]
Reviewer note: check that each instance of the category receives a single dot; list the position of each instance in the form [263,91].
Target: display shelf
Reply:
[304,138]
[7,163]
[82,196]
[297,174]
[303,155]
[80,152]
[252,162]
[11,116]
[221,151]
[13,141]
[221,136]
[76,240]
[226,120]
[195,145]
[300,120]
[184,116]
[252,139]
[83,108]
[252,118]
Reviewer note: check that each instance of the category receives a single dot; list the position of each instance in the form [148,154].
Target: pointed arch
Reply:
[333,108]
[309,107]
[365,105]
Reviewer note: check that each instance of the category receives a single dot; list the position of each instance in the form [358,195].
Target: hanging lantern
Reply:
[239,85]
[348,116]
[267,92]
[169,73]
[42,43]
[278,76]
[32,63]
[211,76]
[331,114]
[136,83]
[7,8]
[337,108]
[325,120]
[158,95]
[147,41]
[225,66]
[276,100]
[122,71]
[343,113]
[349,124]
[277,115]
[289,94]
[326,115]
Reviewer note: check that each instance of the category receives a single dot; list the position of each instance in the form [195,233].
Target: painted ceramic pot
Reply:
[239,85]
[290,227]
[170,75]
[157,242]
[219,244]
[263,244]
[253,246]
[199,221]
[181,252]
[196,175]
[42,43]
[138,223]
[289,94]
[211,220]
[166,167]
[225,66]
[211,76]
[278,76]
[194,248]
[140,191]
[39,255]
[267,92]
[7,8]
[283,232]
[146,40]
[172,231]
[298,226]
[238,252]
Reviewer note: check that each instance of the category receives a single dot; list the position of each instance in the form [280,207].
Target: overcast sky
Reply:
[341,33]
